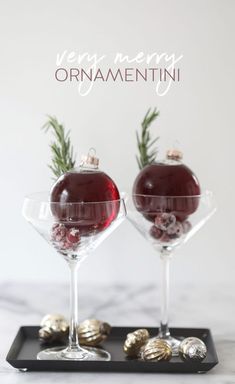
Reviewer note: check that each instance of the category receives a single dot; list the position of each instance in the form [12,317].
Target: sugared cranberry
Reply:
[65,246]
[73,236]
[58,232]
[175,230]
[156,232]
[164,221]
[65,239]
[165,238]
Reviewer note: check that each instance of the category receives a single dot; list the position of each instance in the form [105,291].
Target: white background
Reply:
[199,112]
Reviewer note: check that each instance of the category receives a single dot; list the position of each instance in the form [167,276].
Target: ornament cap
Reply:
[90,160]
[174,154]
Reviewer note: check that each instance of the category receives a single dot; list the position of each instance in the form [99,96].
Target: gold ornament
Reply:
[92,332]
[134,341]
[157,350]
[54,327]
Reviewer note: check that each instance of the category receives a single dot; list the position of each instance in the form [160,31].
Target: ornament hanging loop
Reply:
[91,152]
[90,160]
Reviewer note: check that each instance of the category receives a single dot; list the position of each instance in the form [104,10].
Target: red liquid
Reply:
[161,180]
[85,187]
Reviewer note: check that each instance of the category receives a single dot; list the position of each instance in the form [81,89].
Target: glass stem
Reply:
[73,326]
[165,259]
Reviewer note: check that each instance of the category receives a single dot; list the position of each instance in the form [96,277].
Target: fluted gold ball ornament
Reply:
[134,341]
[92,332]
[54,327]
[157,350]
[192,349]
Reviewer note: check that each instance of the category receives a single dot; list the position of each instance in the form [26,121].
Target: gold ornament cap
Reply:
[90,160]
[174,154]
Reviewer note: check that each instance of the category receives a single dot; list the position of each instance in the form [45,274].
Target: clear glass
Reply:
[74,239]
[166,224]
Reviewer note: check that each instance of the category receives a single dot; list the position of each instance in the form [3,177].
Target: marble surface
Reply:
[209,306]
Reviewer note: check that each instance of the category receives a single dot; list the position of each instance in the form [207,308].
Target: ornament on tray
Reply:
[157,350]
[192,349]
[92,332]
[135,341]
[54,327]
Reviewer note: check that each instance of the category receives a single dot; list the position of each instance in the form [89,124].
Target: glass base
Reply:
[172,341]
[79,354]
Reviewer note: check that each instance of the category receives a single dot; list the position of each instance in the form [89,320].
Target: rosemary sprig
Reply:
[147,150]
[62,151]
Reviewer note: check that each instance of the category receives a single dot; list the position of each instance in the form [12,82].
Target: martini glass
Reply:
[74,230]
[168,222]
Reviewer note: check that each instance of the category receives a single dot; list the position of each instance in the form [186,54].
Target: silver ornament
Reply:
[192,349]
[92,332]
[54,327]
[157,350]
[134,341]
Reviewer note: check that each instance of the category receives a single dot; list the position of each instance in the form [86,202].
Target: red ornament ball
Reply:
[87,200]
[166,188]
